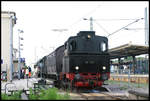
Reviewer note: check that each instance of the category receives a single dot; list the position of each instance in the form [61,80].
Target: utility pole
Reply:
[19,38]
[146,28]
[146,36]
[18,55]
[11,49]
[91,23]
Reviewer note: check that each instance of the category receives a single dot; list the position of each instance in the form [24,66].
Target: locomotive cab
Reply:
[86,42]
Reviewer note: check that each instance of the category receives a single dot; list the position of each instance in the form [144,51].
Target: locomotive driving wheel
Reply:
[63,85]
[57,84]
[70,87]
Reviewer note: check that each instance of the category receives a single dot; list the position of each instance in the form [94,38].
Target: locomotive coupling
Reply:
[77,76]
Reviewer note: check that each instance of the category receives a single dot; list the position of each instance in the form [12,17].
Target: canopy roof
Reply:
[128,50]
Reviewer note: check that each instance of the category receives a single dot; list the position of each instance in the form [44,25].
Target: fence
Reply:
[129,79]
[141,67]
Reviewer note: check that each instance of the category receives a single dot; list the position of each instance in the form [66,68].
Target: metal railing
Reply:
[129,79]
[126,71]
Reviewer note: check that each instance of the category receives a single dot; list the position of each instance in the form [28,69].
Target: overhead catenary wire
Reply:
[136,28]
[80,19]
[102,27]
[94,20]
[125,26]
[92,11]
[114,19]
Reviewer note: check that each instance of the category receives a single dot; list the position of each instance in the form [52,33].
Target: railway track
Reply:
[95,96]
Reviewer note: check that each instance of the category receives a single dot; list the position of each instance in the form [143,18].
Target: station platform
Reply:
[138,94]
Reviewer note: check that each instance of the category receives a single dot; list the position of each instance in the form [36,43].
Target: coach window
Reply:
[103,46]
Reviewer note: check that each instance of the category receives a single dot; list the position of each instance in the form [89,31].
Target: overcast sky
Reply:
[38,19]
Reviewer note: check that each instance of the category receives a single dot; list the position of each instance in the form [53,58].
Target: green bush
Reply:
[32,96]
[15,96]
[49,94]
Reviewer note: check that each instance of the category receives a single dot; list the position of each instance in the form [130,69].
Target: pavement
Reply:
[18,84]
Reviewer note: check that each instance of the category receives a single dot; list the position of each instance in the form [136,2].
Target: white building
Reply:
[8,21]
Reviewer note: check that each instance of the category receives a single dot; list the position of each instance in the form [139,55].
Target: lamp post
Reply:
[19,38]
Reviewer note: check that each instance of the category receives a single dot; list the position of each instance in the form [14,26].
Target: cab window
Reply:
[72,45]
[103,46]
[66,45]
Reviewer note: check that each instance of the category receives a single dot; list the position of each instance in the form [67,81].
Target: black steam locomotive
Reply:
[83,61]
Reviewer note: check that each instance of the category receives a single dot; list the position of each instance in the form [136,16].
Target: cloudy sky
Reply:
[39,19]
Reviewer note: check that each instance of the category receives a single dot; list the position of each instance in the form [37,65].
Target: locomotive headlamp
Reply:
[104,67]
[76,67]
[89,36]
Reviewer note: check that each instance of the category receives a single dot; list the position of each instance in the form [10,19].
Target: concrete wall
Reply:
[7,24]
